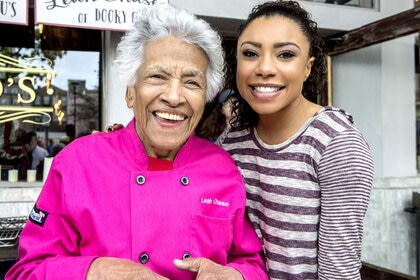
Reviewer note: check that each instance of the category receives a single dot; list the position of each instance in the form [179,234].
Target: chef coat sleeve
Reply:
[48,245]
[246,252]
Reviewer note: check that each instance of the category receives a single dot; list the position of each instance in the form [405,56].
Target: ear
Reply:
[309,67]
[130,94]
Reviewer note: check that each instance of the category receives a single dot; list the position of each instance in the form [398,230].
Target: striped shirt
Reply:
[307,197]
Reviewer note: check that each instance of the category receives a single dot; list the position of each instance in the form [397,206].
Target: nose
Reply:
[266,66]
[173,93]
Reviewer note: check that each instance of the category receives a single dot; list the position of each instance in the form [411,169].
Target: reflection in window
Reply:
[37,94]
[75,83]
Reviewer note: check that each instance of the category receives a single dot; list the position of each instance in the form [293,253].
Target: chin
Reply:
[170,145]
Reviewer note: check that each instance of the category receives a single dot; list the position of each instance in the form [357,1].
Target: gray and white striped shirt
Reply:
[307,197]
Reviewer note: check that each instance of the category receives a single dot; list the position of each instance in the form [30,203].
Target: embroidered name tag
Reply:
[38,216]
[214,202]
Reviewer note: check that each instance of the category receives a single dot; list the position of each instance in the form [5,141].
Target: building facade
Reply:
[378,85]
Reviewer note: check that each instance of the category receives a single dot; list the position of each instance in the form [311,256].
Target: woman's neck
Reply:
[279,127]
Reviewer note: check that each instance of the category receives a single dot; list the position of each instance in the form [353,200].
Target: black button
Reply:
[140,180]
[144,258]
[185,181]
[186,256]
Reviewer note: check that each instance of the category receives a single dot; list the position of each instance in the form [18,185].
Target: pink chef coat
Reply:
[100,200]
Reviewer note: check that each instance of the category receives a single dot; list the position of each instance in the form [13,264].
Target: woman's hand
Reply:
[110,128]
[120,269]
[113,127]
[208,270]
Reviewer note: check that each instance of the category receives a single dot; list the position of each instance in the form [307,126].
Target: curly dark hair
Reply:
[212,125]
[245,115]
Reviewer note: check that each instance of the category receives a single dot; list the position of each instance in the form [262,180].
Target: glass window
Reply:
[49,85]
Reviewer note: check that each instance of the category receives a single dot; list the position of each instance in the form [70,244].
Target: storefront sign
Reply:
[95,14]
[25,95]
[14,12]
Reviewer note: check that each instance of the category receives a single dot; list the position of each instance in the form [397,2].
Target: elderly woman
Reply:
[151,199]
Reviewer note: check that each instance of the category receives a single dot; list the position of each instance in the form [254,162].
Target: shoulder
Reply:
[234,135]
[214,161]
[335,118]
[40,150]
[337,125]
[236,139]
[205,153]
[329,123]
[207,148]
[101,143]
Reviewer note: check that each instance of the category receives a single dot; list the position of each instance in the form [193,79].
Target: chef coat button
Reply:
[140,180]
[144,258]
[186,256]
[184,181]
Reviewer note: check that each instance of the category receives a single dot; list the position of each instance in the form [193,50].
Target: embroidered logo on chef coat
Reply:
[38,216]
[214,201]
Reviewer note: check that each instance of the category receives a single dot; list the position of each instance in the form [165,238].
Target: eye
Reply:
[286,54]
[156,76]
[249,53]
[193,84]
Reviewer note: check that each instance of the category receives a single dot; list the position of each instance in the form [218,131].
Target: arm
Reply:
[246,252]
[206,269]
[120,269]
[244,258]
[345,178]
[245,261]
[49,244]
[48,247]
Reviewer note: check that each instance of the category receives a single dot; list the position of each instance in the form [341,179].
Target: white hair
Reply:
[164,20]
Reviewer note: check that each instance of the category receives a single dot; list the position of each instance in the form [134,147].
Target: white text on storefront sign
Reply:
[14,12]
[26,94]
[95,14]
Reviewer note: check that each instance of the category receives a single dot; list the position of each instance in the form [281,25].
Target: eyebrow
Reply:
[188,73]
[193,73]
[276,45]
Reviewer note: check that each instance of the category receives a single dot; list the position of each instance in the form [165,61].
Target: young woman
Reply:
[307,168]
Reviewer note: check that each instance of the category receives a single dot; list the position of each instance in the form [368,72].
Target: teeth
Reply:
[172,117]
[266,89]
